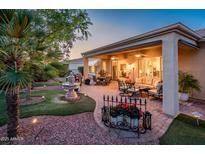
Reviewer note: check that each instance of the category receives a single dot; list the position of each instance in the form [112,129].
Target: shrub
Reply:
[64,71]
[51,71]
[57,65]
[38,73]
[81,69]
[62,68]
[187,83]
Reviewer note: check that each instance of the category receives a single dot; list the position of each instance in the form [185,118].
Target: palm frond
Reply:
[17,25]
[187,82]
[10,79]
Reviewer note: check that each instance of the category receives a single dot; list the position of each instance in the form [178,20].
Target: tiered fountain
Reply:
[71,94]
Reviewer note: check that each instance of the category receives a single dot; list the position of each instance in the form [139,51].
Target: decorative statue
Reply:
[70,86]
[71,78]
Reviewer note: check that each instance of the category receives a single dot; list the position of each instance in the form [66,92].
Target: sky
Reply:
[114,25]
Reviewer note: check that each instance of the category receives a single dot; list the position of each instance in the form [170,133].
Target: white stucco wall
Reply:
[74,64]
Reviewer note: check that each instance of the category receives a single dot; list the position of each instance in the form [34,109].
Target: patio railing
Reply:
[126,113]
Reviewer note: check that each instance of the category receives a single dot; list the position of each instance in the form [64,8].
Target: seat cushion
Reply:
[153,91]
[159,88]
[149,81]
[155,82]
[146,85]
[133,90]
[138,80]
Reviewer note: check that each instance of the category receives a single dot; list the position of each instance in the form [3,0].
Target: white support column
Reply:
[85,62]
[170,74]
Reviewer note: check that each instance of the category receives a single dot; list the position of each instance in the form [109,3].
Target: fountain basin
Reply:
[71,94]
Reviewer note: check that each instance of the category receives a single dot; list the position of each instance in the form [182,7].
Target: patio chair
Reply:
[95,80]
[123,88]
[133,92]
[102,80]
[107,80]
[157,92]
[121,85]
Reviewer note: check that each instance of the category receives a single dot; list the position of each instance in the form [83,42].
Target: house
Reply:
[75,63]
[156,55]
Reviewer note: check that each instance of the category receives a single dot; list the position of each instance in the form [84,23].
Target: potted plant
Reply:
[102,73]
[114,113]
[187,83]
[125,111]
[134,114]
[121,111]
[87,81]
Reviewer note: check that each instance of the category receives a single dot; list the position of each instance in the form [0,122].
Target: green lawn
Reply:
[184,131]
[47,84]
[48,107]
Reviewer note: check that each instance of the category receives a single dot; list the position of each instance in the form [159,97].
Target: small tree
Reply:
[14,27]
[23,34]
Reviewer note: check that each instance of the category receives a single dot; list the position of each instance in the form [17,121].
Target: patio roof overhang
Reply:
[139,41]
[188,44]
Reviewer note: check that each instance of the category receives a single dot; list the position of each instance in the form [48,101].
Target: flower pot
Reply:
[128,120]
[113,120]
[134,123]
[120,118]
[183,97]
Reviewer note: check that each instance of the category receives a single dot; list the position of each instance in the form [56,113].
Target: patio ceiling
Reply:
[183,46]
[131,51]
[145,49]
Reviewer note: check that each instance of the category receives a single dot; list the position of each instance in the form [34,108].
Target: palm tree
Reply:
[50,27]
[14,25]
[188,83]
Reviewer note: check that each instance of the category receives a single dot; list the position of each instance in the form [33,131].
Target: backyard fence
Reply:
[126,113]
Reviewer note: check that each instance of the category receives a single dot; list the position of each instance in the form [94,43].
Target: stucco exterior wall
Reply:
[193,61]
[74,64]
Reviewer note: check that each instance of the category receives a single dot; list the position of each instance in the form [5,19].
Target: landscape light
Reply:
[34,120]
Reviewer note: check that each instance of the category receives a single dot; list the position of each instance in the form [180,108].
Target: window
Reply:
[123,70]
[150,67]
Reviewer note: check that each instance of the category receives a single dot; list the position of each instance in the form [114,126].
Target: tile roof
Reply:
[201,32]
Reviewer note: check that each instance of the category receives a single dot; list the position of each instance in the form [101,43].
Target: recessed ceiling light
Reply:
[138,56]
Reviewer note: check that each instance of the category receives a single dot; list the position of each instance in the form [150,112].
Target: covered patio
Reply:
[154,55]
